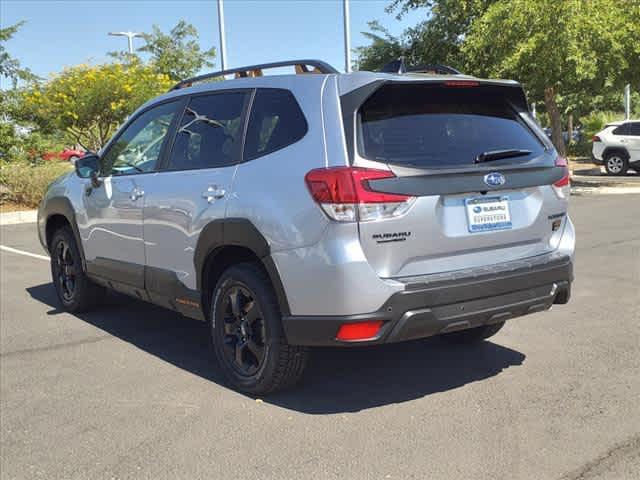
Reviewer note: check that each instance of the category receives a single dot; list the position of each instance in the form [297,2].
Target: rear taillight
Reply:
[595,138]
[345,195]
[562,187]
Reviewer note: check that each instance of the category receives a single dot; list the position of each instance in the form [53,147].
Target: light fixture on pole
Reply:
[130,36]
[223,43]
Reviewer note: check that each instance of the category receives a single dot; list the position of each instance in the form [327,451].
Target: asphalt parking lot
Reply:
[132,391]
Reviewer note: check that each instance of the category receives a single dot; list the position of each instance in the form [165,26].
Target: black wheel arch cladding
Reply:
[238,232]
[62,206]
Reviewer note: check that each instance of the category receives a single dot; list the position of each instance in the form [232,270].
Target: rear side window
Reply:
[437,126]
[209,133]
[276,121]
[622,129]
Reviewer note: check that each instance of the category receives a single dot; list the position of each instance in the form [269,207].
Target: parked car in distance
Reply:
[319,209]
[617,147]
[67,154]
[576,136]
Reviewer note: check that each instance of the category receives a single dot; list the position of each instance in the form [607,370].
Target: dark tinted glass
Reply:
[209,132]
[276,121]
[634,129]
[433,126]
[621,130]
[138,148]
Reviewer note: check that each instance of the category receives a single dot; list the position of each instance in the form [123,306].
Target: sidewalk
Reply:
[14,218]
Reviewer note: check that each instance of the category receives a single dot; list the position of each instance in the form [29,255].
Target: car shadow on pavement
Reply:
[337,380]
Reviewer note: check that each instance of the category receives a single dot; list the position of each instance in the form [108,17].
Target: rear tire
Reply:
[247,333]
[473,335]
[75,290]
[616,164]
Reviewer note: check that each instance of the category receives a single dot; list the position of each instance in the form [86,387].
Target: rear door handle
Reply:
[135,194]
[213,193]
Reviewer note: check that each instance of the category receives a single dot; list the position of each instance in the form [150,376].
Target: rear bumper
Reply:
[432,305]
[595,160]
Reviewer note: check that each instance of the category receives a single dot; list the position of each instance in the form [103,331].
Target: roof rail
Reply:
[256,70]
[399,66]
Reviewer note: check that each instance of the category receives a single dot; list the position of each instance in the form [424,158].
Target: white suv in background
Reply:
[617,147]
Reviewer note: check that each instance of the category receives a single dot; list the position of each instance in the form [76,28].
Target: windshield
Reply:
[438,126]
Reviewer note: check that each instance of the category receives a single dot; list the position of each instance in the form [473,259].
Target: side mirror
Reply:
[88,167]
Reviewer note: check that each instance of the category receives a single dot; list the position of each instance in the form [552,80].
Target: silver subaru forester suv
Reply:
[319,209]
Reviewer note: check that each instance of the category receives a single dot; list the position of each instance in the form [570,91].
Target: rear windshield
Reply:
[437,126]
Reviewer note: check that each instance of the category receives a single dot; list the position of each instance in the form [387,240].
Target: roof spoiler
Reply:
[399,66]
[302,66]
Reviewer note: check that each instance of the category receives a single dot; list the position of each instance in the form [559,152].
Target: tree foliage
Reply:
[438,39]
[383,48]
[177,54]
[89,102]
[9,66]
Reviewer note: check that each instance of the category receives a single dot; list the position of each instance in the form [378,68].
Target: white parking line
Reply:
[22,252]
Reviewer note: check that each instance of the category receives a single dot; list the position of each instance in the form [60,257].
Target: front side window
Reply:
[276,121]
[634,129]
[137,149]
[437,126]
[210,132]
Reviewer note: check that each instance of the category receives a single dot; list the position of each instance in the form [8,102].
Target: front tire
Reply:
[247,333]
[75,290]
[616,164]
[473,335]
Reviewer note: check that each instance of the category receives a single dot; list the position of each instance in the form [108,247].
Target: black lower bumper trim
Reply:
[440,307]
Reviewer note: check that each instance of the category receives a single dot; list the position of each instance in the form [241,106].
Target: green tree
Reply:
[9,66]
[383,48]
[89,102]
[177,54]
[438,39]
[573,48]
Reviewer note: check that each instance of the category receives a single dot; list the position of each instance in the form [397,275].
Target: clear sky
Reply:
[67,32]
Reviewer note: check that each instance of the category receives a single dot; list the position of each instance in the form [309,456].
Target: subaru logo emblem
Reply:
[477,209]
[494,179]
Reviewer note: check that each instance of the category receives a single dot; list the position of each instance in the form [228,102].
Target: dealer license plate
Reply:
[488,214]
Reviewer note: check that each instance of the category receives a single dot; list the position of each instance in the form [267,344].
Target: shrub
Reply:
[26,183]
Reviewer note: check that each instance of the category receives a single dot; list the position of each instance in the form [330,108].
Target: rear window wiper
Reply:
[500,154]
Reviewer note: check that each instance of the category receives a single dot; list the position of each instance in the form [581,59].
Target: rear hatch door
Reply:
[480,170]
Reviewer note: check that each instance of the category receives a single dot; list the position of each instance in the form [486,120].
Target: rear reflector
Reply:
[345,195]
[359,331]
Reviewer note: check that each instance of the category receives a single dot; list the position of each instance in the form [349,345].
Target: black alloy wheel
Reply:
[65,270]
[244,330]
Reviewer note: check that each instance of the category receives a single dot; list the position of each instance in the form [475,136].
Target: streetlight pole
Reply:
[130,36]
[347,36]
[223,43]
[627,101]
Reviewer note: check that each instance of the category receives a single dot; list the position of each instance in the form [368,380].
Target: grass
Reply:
[22,184]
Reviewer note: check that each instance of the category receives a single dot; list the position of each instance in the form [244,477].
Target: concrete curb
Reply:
[593,190]
[14,218]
